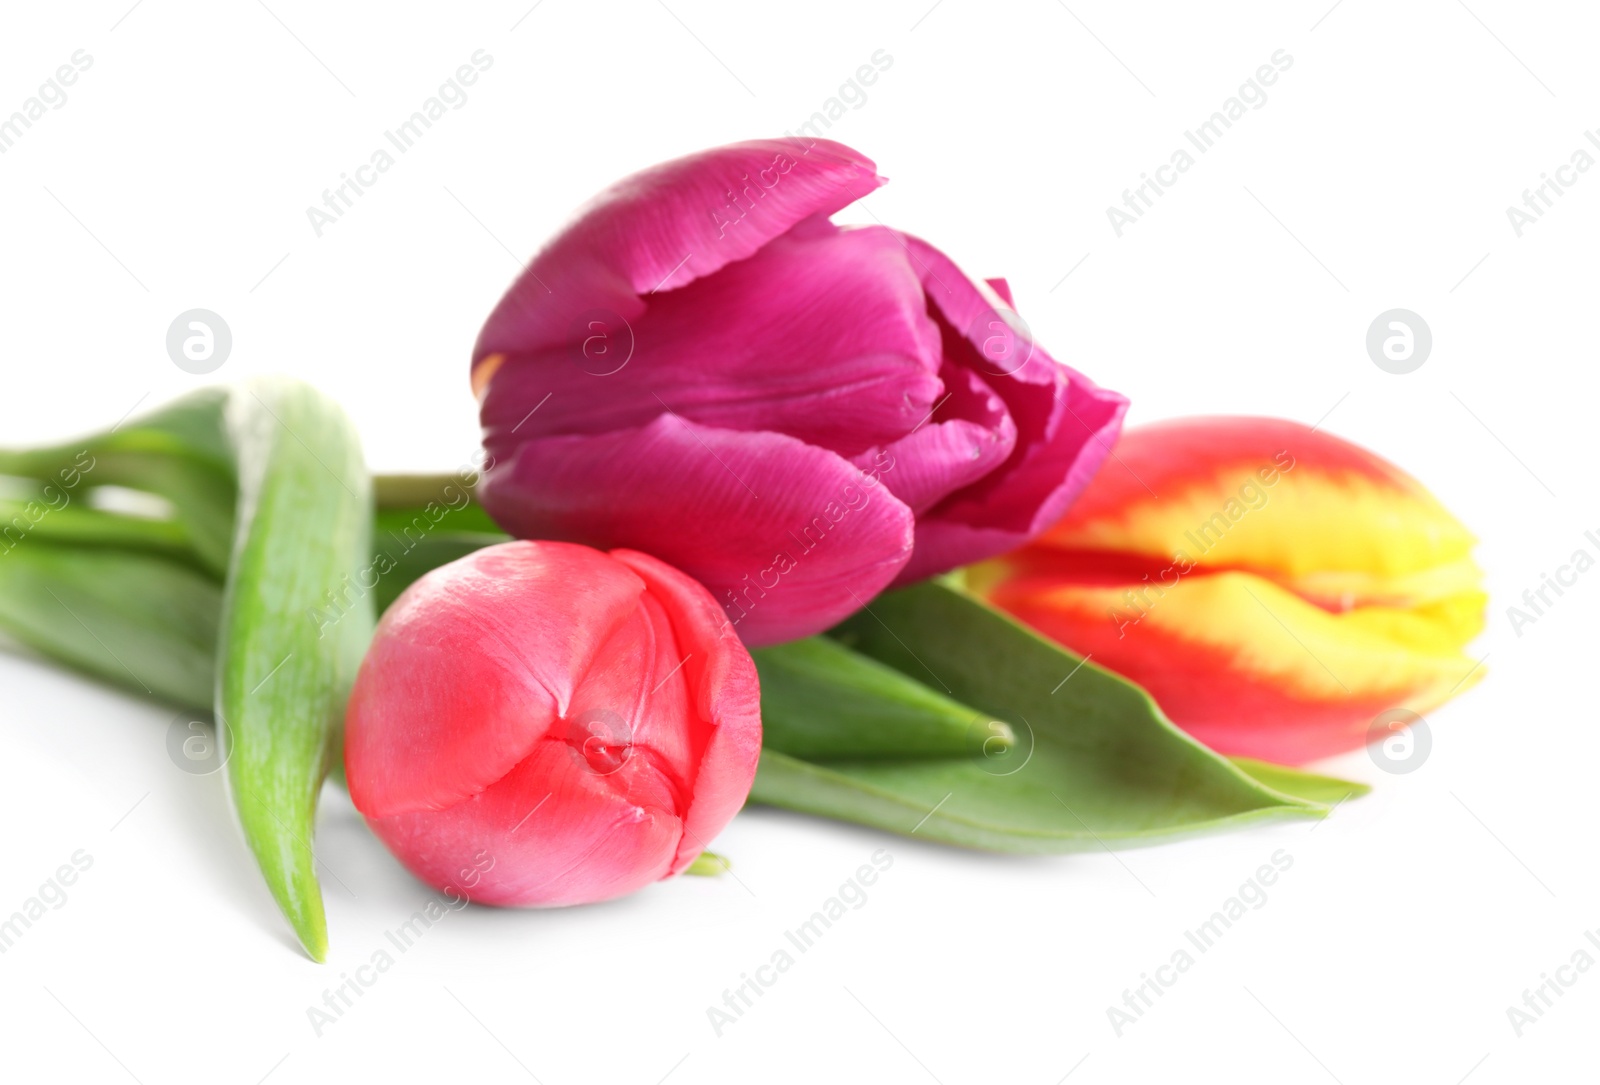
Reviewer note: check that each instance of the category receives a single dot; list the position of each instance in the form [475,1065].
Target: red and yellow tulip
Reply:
[1273,587]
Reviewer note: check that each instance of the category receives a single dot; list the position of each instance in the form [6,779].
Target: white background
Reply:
[1376,175]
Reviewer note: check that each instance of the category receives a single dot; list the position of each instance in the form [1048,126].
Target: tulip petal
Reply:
[549,832]
[481,639]
[1273,586]
[631,702]
[822,335]
[973,436]
[788,537]
[666,226]
[1245,665]
[724,694]
[1065,425]
[1269,495]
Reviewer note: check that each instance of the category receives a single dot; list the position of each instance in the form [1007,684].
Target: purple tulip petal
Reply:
[789,538]
[823,335]
[665,227]
[974,434]
[1065,426]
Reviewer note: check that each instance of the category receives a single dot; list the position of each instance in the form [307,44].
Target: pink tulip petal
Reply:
[1065,426]
[724,692]
[484,639]
[550,833]
[632,702]
[825,337]
[788,537]
[665,227]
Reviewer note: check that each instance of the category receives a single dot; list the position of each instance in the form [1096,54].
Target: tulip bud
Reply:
[1273,587]
[543,724]
[795,413]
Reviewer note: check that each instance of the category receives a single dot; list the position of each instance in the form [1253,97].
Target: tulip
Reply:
[1273,587]
[542,724]
[702,366]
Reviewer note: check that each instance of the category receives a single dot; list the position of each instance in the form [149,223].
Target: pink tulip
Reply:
[702,366]
[542,724]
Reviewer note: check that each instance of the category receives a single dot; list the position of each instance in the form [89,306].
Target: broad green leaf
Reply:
[1096,764]
[285,635]
[820,701]
[1302,785]
[296,620]
[50,519]
[137,620]
[178,452]
[166,610]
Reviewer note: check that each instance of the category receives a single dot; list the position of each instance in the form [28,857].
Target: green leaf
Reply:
[167,610]
[33,520]
[269,488]
[1096,763]
[296,620]
[1302,785]
[820,701]
[140,621]
[178,452]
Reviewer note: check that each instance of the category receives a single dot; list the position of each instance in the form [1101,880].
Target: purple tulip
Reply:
[702,366]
